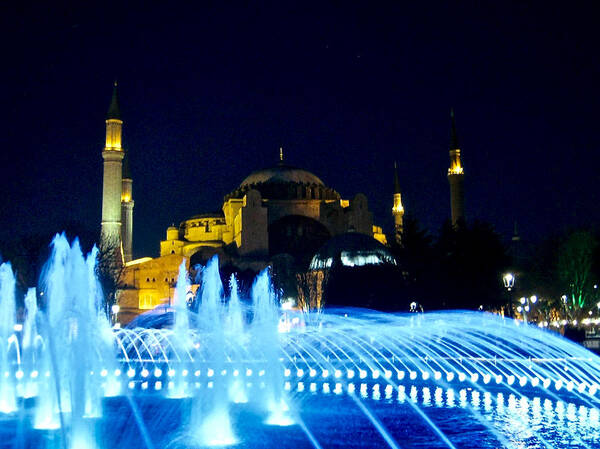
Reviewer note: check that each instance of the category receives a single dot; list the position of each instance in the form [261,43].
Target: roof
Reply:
[281,173]
[217,214]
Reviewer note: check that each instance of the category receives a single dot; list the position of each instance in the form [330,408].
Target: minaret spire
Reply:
[280,154]
[114,112]
[455,175]
[110,236]
[397,209]
[453,133]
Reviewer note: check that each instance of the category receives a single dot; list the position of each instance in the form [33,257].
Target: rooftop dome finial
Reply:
[280,154]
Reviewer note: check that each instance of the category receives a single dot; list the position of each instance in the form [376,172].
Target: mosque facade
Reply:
[277,213]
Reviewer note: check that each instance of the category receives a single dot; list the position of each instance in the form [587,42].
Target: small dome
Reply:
[351,249]
[281,173]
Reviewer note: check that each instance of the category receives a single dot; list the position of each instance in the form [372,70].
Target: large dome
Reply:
[281,173]
[285,182]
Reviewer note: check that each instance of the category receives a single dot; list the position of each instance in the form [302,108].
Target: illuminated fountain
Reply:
[225,376]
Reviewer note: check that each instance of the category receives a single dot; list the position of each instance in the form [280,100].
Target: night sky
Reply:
[210,94]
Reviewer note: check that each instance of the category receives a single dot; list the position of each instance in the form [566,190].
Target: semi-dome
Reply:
[281,173]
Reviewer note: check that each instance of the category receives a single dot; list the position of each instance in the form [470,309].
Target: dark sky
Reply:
[209,94]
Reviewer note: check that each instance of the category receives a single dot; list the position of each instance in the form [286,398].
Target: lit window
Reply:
[148,301]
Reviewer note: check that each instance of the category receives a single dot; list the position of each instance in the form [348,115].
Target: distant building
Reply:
[277,210]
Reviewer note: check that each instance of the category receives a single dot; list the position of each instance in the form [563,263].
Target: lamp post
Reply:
[115,312]
[564,301]
[509,282]
[526,305]
[532,300]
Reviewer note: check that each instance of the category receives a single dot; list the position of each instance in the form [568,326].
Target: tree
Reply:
[575,262]
[110,270]
[311,286]
[415,258]
[470,261]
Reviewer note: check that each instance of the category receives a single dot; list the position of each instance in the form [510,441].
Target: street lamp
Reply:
[509,282]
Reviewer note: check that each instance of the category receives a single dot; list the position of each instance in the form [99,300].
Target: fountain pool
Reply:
[234,375]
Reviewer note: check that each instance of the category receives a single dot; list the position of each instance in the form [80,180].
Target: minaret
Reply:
[127,210]
[456,177]
[397,209]
[110,234]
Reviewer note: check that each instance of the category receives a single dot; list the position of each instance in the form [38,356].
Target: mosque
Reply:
[280,216]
